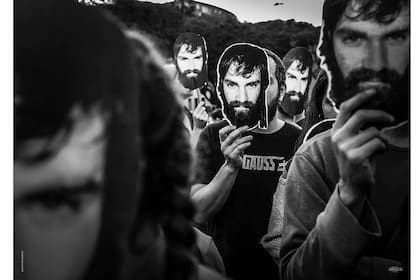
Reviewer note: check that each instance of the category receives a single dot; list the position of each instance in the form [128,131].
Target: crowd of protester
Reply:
[130,167]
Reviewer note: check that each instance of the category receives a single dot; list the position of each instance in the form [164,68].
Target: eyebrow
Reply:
[404,30]
[345,31]
[230,81]
[253,82]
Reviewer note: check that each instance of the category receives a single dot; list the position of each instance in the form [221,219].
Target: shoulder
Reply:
[314,167]
[216,126]
[318,128]
[292,125]
[318,150]
[320,143]
[292,128]
[211,132]
[288,130]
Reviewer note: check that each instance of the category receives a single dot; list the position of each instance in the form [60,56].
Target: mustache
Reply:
[292,92]
[246,104]
[190,71]
[386,76]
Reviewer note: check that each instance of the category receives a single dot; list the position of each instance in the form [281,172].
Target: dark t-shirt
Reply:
[239,226]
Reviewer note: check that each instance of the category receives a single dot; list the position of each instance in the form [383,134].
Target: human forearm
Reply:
[210,198]
[195,135]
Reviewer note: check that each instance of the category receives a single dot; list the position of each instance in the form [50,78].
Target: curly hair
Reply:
[167,163]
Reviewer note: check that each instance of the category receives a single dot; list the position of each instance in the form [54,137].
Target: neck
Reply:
[299,117]
[275,125]
[398,135]
[283,117]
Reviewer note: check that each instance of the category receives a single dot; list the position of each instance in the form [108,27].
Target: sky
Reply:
[263,10]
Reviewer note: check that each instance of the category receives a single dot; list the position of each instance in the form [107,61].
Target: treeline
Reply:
[163,23]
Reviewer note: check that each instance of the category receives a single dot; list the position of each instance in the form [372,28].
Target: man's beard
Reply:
[292,107]
[193,82]
[392,90]
[243,113]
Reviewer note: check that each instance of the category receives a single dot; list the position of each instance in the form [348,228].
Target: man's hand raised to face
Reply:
[355,143]
[232,144]
[200,116]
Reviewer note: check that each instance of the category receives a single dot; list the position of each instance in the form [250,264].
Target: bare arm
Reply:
[200,119]
[210,198]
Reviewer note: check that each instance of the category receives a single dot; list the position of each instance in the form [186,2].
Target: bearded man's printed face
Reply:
[241,93]
[372,55]
[190,64]
[297,81]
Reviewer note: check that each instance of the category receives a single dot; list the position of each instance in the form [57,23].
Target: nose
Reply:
[242,94]
[191,64]
[376,58]
[299,87]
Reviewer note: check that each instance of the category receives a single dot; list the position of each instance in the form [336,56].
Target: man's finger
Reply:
[233,135]
[223,132]
[366,151]
[364,116]
[203,115]
[360,139]
[347,107]
[240,150]
[238,142]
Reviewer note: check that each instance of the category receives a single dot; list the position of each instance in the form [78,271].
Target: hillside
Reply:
[163,23]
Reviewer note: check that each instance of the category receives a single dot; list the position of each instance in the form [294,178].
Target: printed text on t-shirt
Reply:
[266,163]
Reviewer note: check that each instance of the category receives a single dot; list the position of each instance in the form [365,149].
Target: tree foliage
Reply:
[164,22]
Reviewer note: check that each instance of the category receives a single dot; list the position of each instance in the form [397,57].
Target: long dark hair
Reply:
[166,203]
[68,55]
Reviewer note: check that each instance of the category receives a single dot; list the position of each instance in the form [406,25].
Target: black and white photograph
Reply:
[201,140]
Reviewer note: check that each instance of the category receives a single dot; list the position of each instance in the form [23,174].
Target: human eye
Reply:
[198,57]
[290,76]
[57,202]
[230,84]
[398,37]
[253,84]
[351,38]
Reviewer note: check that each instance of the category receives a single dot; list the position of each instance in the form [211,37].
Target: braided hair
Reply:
[166,164]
